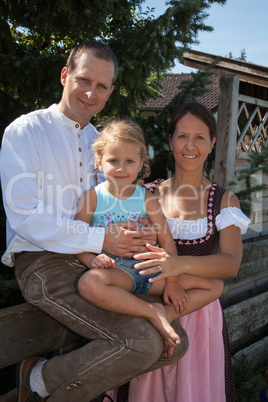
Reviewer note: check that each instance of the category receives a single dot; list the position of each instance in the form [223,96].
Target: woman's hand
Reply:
[159,260]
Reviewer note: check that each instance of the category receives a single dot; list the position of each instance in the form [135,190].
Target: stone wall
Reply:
[245,300]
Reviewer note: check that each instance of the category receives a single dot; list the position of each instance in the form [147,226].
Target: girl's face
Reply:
[120,163]
[191,143]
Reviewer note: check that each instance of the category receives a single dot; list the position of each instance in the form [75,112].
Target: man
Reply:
[46,165]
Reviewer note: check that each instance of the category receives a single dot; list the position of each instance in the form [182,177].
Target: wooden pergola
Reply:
[248,72]
[242,109]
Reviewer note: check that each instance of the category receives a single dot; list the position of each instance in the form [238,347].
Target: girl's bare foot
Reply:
[160,322]
[167,351]
[171,313]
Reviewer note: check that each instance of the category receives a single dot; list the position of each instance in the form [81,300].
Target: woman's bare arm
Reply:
[222,265]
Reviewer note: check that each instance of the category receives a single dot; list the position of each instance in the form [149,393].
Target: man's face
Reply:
[87,88]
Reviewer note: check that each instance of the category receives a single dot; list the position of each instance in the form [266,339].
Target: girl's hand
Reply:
[159,260]
[102,261]
[175,294]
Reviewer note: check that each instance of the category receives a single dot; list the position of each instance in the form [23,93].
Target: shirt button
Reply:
[78,135]
[77,125]
[81,179]
[80,164]
[79,149]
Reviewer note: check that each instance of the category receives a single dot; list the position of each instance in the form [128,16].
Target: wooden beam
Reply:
[247,72]
[226,130]
[253,101]
[11,396]
[27,331]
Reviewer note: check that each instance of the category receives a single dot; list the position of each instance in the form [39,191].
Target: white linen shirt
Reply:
[46,164]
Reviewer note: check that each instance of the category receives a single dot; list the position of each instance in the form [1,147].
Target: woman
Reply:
[203,218]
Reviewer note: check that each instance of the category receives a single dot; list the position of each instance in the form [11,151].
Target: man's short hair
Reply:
[100,51]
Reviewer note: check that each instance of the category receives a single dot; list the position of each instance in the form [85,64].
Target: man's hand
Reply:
[124,239]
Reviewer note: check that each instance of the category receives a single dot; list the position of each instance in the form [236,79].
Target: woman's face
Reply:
[191,143]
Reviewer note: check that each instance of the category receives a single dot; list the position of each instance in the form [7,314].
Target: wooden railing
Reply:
[241,127]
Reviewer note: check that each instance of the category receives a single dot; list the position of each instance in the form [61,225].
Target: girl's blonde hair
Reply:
[119,131]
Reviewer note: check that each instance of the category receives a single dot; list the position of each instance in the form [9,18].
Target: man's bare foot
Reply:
[160,322]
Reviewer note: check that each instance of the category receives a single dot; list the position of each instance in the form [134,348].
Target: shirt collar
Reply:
[73,125]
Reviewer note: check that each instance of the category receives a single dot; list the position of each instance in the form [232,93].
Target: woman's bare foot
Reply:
[160,322]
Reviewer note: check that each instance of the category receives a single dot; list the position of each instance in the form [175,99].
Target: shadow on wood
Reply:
[27,331]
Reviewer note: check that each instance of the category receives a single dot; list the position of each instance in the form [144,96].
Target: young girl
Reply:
[110,283]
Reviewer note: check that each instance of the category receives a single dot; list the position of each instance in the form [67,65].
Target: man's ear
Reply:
[63,76]
[110,92]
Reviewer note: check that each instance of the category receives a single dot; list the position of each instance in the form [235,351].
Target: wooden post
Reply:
[226,130]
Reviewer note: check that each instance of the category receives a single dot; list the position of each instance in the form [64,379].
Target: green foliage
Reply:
[250,378]
[258,165]
[242,57]
[36,37]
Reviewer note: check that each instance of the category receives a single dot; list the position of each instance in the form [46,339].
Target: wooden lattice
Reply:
[252,124]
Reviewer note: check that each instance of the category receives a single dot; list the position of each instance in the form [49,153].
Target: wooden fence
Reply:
[241,128]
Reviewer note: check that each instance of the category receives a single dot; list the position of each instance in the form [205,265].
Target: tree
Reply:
[242,57]
[36,36]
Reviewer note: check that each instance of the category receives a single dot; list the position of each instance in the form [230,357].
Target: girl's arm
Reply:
[85,209]
[158,219]
[222,265]
[173,291]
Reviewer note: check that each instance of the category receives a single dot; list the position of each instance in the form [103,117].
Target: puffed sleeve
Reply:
[232,216]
